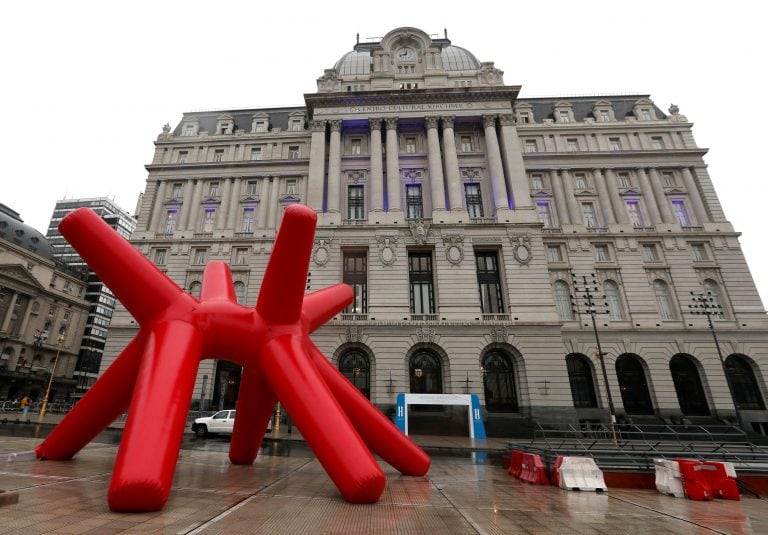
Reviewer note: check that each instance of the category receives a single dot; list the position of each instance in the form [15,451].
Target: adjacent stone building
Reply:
[460,213]
[42,315]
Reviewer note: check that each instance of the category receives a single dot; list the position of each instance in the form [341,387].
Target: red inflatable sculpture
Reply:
[155,374]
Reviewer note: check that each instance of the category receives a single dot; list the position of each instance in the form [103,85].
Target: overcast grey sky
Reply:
[87,86]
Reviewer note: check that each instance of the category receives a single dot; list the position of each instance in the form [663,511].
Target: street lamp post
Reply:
[53,373]
[587,286]
[705,304]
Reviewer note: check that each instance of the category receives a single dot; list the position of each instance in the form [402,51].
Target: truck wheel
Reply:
[201,431]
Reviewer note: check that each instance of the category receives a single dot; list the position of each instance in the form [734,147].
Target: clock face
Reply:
[405,54]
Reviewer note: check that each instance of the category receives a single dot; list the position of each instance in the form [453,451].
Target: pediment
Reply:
[20,274]
[602,104]
[631,192]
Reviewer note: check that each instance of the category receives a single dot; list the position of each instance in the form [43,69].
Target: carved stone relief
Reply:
[454,248]
[321,251]
[387,249]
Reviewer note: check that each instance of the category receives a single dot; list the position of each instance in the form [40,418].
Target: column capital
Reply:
[317,125]
[489,120]
[447,121]
[507,119]
[431,121]
[374,124]
[391,123]
[335,125]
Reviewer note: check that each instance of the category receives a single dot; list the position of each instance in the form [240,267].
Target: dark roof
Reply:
[14,230]
[543,108]
[278,118]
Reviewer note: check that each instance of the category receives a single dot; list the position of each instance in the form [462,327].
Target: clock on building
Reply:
[406,54]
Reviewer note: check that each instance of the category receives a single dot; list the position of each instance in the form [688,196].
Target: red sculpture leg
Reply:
[105,401]
[321,420]
[254,409]
[321,306]
[380,434]
[146,460]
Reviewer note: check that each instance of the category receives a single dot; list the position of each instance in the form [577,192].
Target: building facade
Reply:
[460,214]
[102,301]
[42,315]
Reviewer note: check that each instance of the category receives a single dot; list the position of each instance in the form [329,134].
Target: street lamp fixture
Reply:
[60,341]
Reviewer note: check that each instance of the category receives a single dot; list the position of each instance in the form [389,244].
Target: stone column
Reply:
[618,203]
[194,206]
[273,206]
[661,199]
[316,166]
[693,194]
[559,194]
[334,168]
[451,165]
[393,168]
[261,219]
[603,197]
[377,168]
[496,168]
[158,206]
[512,155]
[435,167]
[9,312]
[223,211]
[570,198]
[234,203]
[186,204]
[650,201]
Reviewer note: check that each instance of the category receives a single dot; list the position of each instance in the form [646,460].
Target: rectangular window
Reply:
[681,213]
[177,191]
[169,224]
[256,153]
[523,117]
[422,293]
[213,189]
[247,223]
[160,256]
[635,214]
[602,253]
[252,188]
[410,145]
[531,146]
[356,275]
[355,202]
[605,116]
[183,155]
[545,214]
[555,253]
[199,255]
[357,146]
[657,142]
[645,114]
[489,282]
[296,125]
[241,256]
[580,181]
[291,186]
[649,252]
[466,144]
[589,214]
[699,252]
[413,201]
[623,180]
[614,143]
[293,152]
[474,199]
[564,116]
[189,130]
[572,144]
[668,179]
[209,217]
[218,155]
[261,126]
[537,181]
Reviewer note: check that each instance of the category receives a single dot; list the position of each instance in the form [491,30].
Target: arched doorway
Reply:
[499,382]
[633,385]
[354,366]
[690,392]
[582,384]
[426,373]
[744,384]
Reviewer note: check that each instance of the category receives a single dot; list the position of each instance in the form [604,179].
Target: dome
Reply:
[456,58]
[13,230]
[354,63]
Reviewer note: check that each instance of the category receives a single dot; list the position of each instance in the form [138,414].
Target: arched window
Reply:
[664,300]
[499,382]
[633,385]
[582,385]
[563,300]
[744,384]
[354,366]
[615,309]
[426,373]
[194,289]
[690,393]
[712,291]
[240,292]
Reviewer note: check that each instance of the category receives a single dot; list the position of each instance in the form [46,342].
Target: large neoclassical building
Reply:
[460,214]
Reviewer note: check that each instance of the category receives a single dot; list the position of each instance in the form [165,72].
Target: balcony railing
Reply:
[424,317]
[163,234]
[495,317]
[481,220]
[691,228]
[354,317]
[203,234]
[355,221]
[645,229]
[552,230]
[243,234]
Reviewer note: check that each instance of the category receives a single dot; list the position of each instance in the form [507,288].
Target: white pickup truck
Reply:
[220,422]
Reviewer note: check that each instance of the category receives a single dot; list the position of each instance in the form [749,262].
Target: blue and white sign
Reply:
[471,401]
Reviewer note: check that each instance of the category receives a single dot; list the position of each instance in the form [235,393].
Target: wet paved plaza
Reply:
[288,492]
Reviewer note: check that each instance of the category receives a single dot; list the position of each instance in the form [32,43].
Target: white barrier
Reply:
[668,478]
[581,473]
